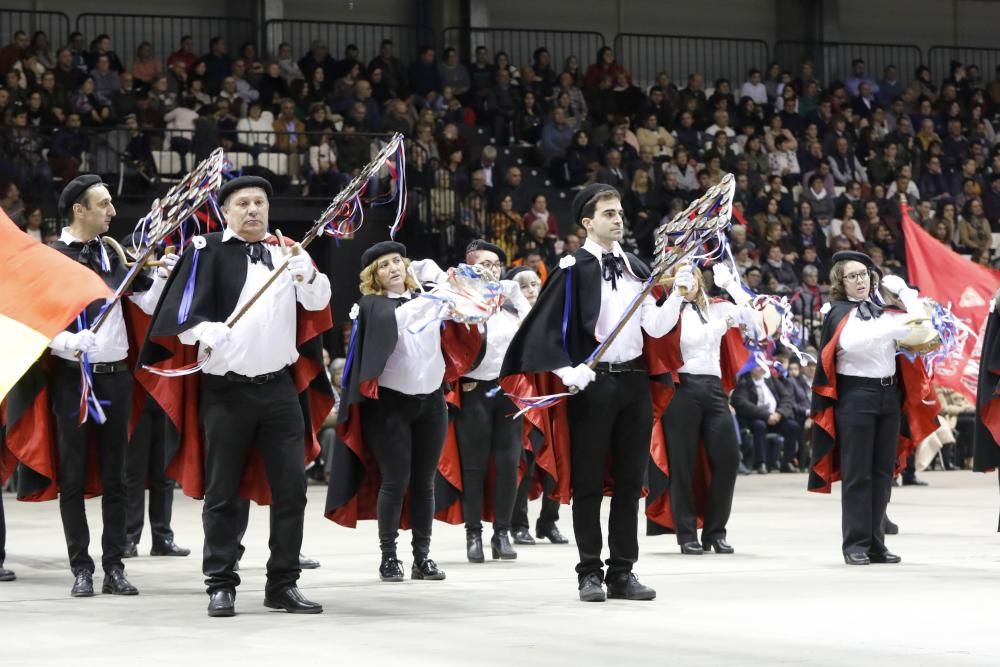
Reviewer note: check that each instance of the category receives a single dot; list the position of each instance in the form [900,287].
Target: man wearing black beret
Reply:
[870,406]
[607,424]
[103,434]
[263,392]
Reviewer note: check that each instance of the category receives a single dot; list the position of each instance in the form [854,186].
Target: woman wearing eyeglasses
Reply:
[870,407]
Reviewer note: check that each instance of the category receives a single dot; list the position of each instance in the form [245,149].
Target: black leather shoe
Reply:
[130,551]
[886,557]
[292,601]
[169,549]
[788,467]
[720,546]
[500,546]
[307,563]
[522,536]
[551,533]
[627,587]
[474,546]
[391,568]
[7,575]
[427,570]
[761,469]
[83,586]
[692,549]
[913,481]
[591,589]
[890,527]
[115,583]
[856,559]
[222,603]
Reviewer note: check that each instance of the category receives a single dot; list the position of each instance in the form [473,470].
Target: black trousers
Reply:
[867,418]
[698,415]
[484,428]
[3,532]
[147,463]
[405,434]
[610,422]
[111,438]
[236,417]
[550,508]
[791,434]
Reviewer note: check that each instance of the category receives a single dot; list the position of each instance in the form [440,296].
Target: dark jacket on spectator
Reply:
[744,399]
[933,186]
[424,78]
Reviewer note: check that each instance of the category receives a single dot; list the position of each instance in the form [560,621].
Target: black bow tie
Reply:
[697,310]
[90,253]
[869,311]
[257,251]
[612,268]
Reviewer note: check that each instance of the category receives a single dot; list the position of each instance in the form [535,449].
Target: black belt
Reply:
[636,365]
[255,379]
[887,381]
[100,368]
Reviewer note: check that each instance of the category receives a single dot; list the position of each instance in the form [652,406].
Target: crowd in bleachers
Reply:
[496,148]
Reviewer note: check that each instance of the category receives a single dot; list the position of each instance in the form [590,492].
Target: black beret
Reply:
[587,194]
[510,275]
[75,190]
[854,256]
[381,249]
[242,182]
[480,244]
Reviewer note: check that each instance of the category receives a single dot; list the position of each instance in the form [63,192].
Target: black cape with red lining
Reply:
[352,493]
[537,350]
[221,272]
[448,484]
[986,439]
[27,412]
[733,354]
[919,409]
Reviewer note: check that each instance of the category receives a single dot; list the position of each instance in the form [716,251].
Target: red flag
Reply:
[41,291]
[955,282]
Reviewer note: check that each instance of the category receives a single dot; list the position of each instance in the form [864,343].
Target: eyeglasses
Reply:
[491,265]
[856,277]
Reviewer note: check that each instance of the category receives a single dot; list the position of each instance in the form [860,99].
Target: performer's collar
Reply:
[67,237]
[597,251]
[230,234]
[405,294]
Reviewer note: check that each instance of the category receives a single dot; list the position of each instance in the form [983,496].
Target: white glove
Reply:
[215,335]
[84,341]
[684,279]
[301,265]
[427,271]
[723,275]
[512,294]
[578,376]
[894,284]
[167,264]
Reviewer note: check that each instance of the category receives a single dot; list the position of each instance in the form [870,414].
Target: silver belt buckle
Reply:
[891,381]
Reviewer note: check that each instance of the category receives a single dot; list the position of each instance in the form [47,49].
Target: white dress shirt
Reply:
[765,397]
[867,348]
[614,302]
[499,330]
[263,341]
[112,338]
[416,365]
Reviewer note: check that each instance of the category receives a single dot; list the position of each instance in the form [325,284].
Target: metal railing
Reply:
[832,60]
[164,32]
[407,39]
[939,60]
[645,56]
[53,24]
[520,43]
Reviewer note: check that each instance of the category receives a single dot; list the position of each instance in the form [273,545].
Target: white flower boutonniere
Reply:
[198,242]
[566,262]
[354,312]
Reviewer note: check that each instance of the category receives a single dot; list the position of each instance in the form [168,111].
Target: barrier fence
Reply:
[407,39]
[164,32]
[832,60]
[645,56]
[520,44]
[53,24]
[939,59]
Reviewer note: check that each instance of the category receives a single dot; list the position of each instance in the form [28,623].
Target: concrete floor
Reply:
[785,598]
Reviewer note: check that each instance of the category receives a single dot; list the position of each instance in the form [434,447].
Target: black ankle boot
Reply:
[390,569]
[500,544]
[474,546]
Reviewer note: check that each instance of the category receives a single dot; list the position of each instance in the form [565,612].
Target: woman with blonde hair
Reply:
[506,227]
[392,418]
